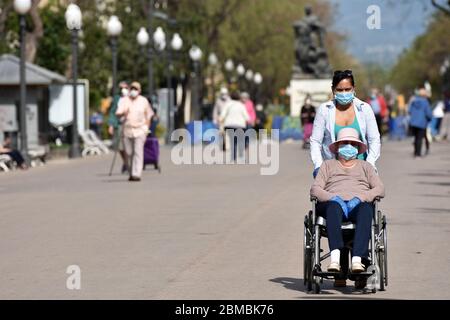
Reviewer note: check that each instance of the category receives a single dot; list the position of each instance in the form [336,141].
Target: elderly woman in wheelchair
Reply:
[345,189]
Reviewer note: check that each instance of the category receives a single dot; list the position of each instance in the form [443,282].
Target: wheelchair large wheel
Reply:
[385,252]
[317,281]
[308,255]
[306,252]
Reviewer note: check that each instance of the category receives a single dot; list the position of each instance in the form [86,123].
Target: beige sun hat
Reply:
[351,135]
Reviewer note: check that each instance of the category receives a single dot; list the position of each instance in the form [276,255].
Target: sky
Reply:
[401,22]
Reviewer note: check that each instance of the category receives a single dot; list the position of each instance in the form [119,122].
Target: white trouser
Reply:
[134,147]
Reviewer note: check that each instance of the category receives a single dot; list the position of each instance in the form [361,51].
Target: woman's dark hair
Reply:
[235,95]
[341,75]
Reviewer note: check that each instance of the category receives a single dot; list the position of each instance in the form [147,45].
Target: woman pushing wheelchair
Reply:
[345,188]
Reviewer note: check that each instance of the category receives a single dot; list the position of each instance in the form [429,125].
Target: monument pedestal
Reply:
[319,89]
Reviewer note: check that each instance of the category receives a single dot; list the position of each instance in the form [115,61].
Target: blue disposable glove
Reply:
[315,172]
[341,203]
[353,203]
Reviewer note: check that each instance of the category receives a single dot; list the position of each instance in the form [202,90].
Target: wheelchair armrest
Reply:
[377,199]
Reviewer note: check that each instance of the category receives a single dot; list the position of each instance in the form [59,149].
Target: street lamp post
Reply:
[175,44]
[114,29]
[212,60]
[258,80]
[143,39]
[22,7]
[241,72]
[150,50]
[195,53]
[74,22]
[229,66]
[249,77]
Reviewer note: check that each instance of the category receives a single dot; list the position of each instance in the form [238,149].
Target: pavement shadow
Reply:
[443,184]
[435,210]
[123,180]
[434,195]
[424,174]
[296,284]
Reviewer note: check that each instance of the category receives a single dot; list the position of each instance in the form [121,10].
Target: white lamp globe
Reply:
[142,37]
[212,59]
[159,36]
[114,27]
[22,6]
[73,17]
[195,53]
[258,78]
[229,65]
[177,42]
[240,69]
[249,75]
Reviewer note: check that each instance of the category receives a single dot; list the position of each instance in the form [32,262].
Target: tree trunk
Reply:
[179,116]
[32,38]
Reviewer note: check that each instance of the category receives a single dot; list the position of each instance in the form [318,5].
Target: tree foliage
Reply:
[257,33]
[423,60]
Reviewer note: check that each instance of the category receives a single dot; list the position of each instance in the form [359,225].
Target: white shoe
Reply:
[357,267]
[334,267]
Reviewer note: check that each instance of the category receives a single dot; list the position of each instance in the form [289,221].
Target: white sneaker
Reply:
[334,267]
[357,267]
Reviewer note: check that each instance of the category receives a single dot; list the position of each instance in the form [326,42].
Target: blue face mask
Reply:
[348,152]
[344,98]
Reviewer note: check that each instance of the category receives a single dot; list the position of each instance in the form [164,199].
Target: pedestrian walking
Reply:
[345,110]
[445,124]
[420,115]
[136,112]
[250,107]
[114,128]
[261,117]
[307,115]
[234,117]
[379,107]
[224,98]
[438,114]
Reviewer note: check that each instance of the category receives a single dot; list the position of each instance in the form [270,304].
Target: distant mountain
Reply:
[401,22]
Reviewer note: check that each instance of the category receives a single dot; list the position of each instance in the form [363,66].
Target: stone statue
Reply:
[310,53]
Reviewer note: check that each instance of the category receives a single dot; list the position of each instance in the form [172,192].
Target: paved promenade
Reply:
[207,232]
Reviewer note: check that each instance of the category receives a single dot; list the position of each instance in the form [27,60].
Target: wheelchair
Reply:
[376,273]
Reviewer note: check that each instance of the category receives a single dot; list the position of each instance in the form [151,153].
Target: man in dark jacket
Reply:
[114,128]
[421,115]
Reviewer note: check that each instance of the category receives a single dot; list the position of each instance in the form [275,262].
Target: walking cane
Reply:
[132,156]
[116,148]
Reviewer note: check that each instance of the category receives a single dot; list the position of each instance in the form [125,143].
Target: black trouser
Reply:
[16,156]
[361,216]
[379,121]
[237,144]
[419,135]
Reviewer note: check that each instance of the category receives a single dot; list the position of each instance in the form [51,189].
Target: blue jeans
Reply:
[361,216]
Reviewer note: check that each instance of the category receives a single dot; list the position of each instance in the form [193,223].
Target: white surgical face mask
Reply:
[134,93]
[125,92]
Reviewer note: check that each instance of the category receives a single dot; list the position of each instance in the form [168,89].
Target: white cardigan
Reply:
[323,132]
[234,114]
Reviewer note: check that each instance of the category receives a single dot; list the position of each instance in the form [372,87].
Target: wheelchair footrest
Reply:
[328,275]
